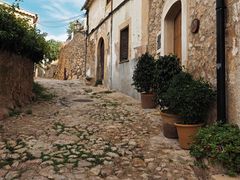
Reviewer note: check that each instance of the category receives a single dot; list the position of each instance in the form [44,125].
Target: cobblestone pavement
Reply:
[89,133]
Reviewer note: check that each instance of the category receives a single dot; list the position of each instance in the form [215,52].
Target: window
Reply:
[124,40]
[108,1]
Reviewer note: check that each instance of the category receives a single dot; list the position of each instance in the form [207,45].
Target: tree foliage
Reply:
[54,49]
[17,36]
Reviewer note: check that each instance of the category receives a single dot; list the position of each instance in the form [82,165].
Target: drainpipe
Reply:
[86,45]
[221,91]
[111,44]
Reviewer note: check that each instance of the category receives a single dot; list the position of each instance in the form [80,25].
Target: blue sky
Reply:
[54,15]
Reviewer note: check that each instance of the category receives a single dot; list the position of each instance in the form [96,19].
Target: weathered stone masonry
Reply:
[16,79]
[72,58]
[201,47]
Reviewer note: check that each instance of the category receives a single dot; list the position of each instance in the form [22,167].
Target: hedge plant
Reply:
[166,68]
[188,97]
[219,144]
[143,75]
[18,37]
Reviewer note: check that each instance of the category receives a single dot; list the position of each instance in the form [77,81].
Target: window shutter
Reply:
[124,40]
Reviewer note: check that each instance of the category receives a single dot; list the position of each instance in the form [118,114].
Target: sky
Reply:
[54,15]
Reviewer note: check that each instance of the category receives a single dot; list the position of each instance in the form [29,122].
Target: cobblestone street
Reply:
[89,133]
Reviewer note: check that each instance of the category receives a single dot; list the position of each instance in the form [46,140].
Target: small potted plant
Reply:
[143,80]
[191,99]
[166,68]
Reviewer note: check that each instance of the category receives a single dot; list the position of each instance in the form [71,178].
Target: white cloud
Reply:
[60,37]
[59,10]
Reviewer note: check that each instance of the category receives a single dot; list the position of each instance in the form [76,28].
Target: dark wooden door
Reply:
[178,35]
[102,54]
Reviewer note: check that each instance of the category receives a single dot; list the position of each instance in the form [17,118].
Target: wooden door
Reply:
[102,60]
[178,35]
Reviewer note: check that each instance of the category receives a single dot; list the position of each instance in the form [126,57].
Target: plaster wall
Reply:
[130,15]
[97,12]
[118,75]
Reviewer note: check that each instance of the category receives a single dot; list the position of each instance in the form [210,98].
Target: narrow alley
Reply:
[89,133]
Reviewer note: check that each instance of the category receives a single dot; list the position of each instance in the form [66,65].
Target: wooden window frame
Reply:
[121,54]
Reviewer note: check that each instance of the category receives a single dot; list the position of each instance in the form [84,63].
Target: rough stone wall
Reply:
[201,50]
[233,57]
[72,58]
[155,15]
[16,79]
[50,71]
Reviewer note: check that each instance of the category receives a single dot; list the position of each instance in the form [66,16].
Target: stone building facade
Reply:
[183,27]
[115,27]
[21,13]
[72,58]
[198,50]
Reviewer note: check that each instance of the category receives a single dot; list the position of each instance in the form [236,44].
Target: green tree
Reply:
[53,50]
[70,28]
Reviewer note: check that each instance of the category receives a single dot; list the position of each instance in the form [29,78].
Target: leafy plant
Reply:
[41,92]
[220,144]
[17,36]
[188,97]
[166,68]
[143,74]
[14,112]
[54,49]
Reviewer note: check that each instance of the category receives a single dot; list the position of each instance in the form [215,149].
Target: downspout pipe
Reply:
[111,46]
[221,85]
[86,44]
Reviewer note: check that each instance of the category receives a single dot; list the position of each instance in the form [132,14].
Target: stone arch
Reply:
[170,11]
[100,59]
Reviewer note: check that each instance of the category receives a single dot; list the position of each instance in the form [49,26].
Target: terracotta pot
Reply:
[148,100]
[169,128]
[186,134]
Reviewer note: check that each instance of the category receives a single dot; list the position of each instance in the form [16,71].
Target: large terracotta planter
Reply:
[148,100]
[169,128]
[186,134]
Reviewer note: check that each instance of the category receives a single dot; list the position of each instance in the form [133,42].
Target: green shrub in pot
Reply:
[144,73]
[189,98]
[166,68]
[143,80]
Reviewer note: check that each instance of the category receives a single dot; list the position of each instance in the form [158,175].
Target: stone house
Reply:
[186,28]
[31,17]
[117,34]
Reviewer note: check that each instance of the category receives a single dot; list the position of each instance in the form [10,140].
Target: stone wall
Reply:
[201,47]
[16,79]
[72,58]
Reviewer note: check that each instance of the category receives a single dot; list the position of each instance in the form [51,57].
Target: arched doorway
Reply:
[101,55]
[174,29]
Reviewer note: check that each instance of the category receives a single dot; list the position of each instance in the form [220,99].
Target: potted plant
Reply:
[143,80]
[191,99]
[166,68]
